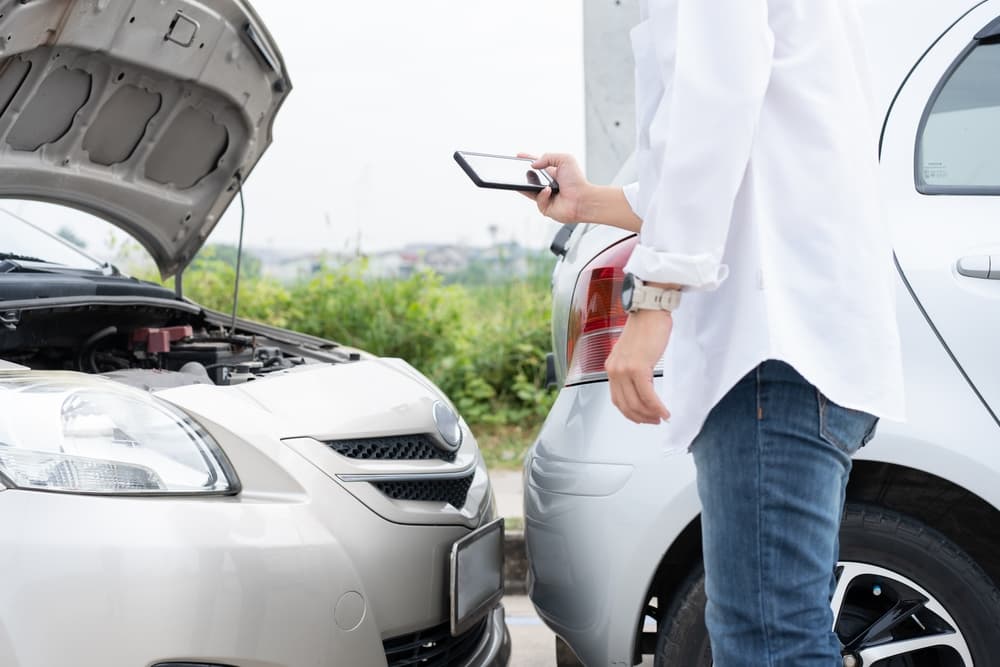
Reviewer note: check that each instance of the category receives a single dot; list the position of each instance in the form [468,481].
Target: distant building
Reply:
[504,260]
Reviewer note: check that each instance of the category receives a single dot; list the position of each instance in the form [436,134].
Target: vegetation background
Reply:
[480,335]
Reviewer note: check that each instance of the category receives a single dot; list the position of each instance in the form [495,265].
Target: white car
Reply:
[179,489]
[612,521]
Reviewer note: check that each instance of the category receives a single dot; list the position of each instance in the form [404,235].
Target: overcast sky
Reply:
[383,94]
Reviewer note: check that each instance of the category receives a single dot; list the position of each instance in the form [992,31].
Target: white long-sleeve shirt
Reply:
[759,191]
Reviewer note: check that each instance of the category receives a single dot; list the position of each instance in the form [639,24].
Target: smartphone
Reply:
[504,172]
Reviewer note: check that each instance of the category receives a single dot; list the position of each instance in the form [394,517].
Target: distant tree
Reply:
[225,253]
[69,235]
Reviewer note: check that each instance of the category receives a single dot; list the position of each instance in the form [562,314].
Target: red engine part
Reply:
[155,339]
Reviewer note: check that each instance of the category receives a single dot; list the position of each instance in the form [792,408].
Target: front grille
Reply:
[398,447]
[452,491]
[434,647]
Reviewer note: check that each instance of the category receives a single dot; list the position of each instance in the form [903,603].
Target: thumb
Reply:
[549,160]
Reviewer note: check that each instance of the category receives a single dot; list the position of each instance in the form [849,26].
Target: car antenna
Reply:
[239,254]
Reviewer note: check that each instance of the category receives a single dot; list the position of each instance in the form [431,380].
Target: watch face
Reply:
[628,291]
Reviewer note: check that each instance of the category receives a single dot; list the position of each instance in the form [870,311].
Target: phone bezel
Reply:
[478,180]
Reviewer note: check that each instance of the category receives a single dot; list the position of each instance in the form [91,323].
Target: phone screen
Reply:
[499,171]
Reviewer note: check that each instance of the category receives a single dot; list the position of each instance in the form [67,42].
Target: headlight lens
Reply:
[86,435]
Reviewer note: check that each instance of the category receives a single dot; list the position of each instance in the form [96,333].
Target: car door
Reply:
[940,154]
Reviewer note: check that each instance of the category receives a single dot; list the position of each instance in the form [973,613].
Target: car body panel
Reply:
[307,405]
[146,114]
[610,545]
[898,33]
[965,310]
[292,571]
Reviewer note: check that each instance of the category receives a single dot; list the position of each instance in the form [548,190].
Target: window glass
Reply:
[959,145]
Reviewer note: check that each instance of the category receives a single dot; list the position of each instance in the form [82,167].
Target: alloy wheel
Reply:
[885,619]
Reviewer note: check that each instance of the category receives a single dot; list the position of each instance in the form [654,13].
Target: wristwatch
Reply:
[637,295]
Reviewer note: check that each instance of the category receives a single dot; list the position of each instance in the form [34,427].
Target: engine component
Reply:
[154,340]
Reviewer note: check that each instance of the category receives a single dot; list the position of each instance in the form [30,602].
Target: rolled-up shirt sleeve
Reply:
[703,130]
[631,192]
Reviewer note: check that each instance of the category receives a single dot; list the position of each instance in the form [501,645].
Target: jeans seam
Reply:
[760,539]
[760,414]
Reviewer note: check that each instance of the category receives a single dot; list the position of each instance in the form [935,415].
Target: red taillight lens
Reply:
[596,316]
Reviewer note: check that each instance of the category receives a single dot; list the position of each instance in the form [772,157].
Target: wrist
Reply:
[650,315]
[590,203]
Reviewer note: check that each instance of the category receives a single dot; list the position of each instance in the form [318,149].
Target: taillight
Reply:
[596,316]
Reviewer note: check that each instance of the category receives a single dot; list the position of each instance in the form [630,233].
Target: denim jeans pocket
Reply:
[846,429]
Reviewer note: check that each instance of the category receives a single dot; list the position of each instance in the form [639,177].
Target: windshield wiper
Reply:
[13,255]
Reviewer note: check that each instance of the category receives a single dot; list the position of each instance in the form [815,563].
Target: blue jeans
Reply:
[773,458]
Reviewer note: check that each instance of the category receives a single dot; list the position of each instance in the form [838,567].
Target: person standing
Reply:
[760,222]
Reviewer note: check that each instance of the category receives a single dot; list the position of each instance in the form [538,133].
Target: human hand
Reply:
[630,365]
[566,205]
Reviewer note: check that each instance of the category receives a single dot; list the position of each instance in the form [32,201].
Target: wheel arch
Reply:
[959,514]
[672,570]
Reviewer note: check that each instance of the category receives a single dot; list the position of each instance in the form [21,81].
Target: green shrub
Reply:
[483,344]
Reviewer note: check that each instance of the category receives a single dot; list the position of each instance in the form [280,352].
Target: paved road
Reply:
[508,491]
[533,644]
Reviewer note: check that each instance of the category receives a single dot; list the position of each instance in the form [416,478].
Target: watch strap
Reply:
[647,297]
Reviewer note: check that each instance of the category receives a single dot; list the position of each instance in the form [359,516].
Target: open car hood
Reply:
[147,113]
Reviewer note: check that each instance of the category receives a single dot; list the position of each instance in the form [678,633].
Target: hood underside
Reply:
[147,113]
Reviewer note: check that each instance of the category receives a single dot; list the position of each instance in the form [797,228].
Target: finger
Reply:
[646,394]
[528,156]
[634,408]
[549,160]
[542,199]
[613,386]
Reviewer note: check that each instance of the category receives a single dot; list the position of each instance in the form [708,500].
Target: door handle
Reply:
[979,266]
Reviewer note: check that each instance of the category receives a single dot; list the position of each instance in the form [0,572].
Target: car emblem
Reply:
[448,426]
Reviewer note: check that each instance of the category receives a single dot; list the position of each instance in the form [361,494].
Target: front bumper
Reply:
[294,571]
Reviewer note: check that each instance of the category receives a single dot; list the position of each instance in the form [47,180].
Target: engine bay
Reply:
[155,347]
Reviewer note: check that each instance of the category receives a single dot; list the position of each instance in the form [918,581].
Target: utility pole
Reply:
[609,88]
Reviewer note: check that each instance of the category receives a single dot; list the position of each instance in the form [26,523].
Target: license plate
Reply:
[476,575]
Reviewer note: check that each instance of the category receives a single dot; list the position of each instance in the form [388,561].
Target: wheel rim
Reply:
[881,615]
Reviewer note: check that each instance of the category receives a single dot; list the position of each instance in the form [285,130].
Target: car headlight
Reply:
[88,435]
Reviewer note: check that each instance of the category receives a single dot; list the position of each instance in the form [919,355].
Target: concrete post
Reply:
[607,56]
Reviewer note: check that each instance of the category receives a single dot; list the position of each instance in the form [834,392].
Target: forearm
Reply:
[606,205]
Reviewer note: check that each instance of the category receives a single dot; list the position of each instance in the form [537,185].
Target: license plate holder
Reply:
[476,575]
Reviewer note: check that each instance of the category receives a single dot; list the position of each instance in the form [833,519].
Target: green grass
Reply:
[504,445]
[513,524]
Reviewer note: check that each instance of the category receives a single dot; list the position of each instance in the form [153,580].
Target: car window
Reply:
[958,146]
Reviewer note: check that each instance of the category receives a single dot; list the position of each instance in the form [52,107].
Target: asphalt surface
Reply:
[507,488]
[532,643]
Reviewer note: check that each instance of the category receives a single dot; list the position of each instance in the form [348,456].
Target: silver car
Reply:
[176,487]
[612,521]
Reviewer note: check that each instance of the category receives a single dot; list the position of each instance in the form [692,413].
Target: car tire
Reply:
[899,549]
[682,636]
[913,550]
